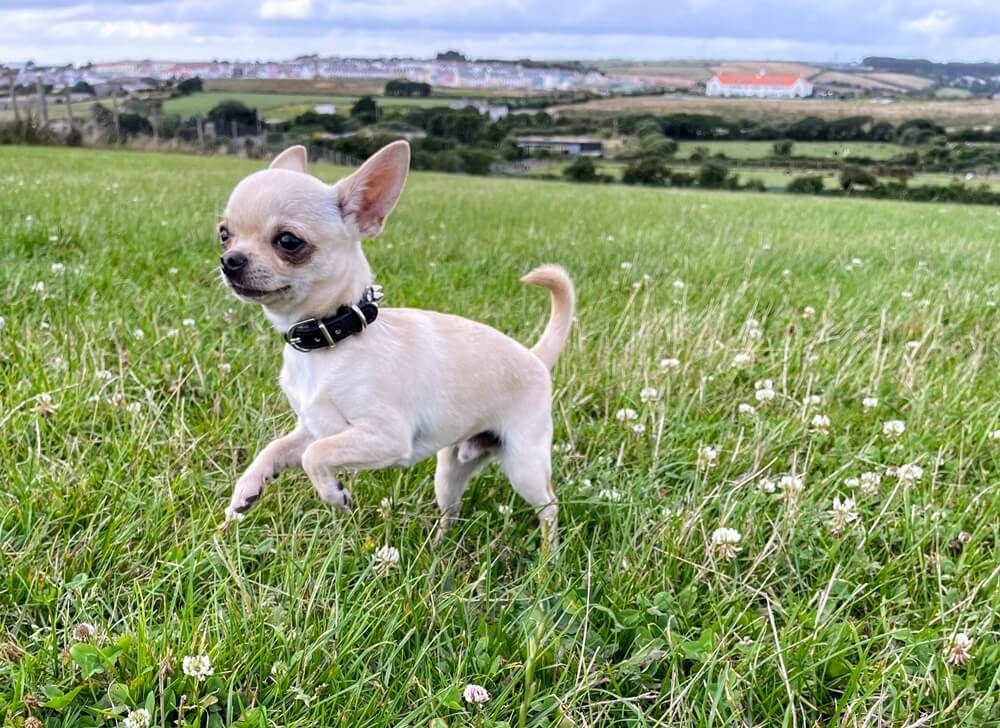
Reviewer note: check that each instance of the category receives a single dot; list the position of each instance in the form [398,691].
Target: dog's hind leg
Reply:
[528,465]
[455,466]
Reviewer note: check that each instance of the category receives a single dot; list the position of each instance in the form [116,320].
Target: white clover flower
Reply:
[821,424]
[893,429]
[812,400]
[385,508]
[38,287]
[742,361]
[648,394]
[763,384]
[135,407]
[791,486]
[765,395]
[857,262]
[84,632]
[678,284]
[475,694]
[57,268]
[638,428]
[625,414]
[766,485]
[808,313]
[386,557]
[172,271]
[907,294]
[139,334]
[103,374]
[187,322]
[747,409]
[912,346]
[909,473]
[869,403]
[669,363]
[197,666]
[3,323]
[723,543]
[993,436]
[610,494]
[753,329]
[708,457]
[843,513]
[504,509]
[870,482]
[172,333]
[44,406]
[626,265]
[139,718]
[958,654]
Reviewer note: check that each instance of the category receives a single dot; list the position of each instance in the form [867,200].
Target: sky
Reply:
[61,31]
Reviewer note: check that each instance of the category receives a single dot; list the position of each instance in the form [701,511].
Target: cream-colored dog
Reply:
[390,391]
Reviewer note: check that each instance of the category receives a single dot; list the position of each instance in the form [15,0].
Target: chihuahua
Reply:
[375,388]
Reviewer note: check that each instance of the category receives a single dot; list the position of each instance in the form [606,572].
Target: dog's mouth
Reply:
[256,293]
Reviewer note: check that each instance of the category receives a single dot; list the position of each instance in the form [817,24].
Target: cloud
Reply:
[285,9]
[936,23]
[81,30]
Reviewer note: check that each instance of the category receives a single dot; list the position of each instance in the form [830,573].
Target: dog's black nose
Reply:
[233,261]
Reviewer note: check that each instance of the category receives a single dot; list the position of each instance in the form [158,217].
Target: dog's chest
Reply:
[309,382]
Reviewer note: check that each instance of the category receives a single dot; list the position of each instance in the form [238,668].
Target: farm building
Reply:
[760,85]
[562,145]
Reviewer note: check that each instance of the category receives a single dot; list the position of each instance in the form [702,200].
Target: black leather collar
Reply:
[324,333]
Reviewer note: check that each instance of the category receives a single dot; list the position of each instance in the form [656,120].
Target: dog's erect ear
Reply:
[293,159]
[368,195]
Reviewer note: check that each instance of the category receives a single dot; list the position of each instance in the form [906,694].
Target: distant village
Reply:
[448,73]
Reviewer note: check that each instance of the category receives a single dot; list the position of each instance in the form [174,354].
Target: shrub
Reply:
[365,110]
[853,176]
[645,172]
[581,169]
[811,184]
[783,148]
[713,175]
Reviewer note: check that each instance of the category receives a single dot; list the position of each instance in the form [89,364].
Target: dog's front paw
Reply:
[334,493]
[245,494]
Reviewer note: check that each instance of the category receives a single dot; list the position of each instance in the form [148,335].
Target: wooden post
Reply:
[114,111]
[12,79]
[69,107]
[201,133]
[43,109]
[232,126]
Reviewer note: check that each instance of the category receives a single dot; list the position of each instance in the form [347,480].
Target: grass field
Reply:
[276,103]
[831,150]
[952,112]
[133,389]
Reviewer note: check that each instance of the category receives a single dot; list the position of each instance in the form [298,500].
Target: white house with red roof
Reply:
[759,85]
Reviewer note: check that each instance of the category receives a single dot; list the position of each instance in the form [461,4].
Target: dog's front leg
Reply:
[358,448]
[285,452]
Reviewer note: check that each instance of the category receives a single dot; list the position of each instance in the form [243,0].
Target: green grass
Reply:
[277,103]
[831,150]
[112,492]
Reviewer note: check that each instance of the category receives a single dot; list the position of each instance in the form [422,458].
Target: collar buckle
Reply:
[295,341]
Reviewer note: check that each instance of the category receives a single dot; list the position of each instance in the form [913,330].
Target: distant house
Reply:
[759,85]
[325,108]
[562,145]
[495,111]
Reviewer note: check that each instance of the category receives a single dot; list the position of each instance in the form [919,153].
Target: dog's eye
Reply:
[223,234]
[288,242]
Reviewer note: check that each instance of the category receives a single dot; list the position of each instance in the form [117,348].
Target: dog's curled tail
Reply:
[557,280]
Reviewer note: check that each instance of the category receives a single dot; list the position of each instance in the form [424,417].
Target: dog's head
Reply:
[293,243]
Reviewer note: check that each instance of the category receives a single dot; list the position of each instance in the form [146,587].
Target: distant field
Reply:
[202,103]
[964,112]
[757,150]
